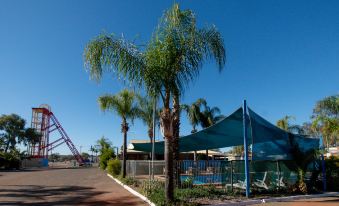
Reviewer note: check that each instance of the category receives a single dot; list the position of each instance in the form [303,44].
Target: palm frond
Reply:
[112,54]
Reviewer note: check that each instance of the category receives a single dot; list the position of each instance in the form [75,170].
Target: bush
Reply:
[114,167]
[154,190]
[332,173]
[105,156]
[9,161]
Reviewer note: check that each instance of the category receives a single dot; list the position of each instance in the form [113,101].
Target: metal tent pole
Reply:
[247,175]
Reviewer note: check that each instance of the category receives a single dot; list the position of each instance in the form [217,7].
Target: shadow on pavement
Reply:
[65,195]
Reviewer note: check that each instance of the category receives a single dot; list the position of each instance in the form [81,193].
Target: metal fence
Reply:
[142,169]
[264,175]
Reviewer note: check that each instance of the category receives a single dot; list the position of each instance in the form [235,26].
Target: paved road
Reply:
[82,186]
[323,201]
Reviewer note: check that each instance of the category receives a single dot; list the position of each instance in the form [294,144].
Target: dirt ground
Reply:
[57,186]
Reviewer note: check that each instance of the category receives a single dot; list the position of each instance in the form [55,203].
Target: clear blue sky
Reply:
[282,56]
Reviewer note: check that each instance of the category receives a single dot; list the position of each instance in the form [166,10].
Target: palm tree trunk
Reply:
[169,184]
[166,122]
[124,153]
[150,135]
[176,131]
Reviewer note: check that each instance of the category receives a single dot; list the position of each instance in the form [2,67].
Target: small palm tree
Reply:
[146,107]
[193,113]
[284,123]
[194,116]
[124,105]
[209,117]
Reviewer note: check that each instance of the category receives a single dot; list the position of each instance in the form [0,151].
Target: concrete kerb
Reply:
[276,199]
[132,191]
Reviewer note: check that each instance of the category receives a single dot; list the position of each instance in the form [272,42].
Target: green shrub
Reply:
[105,156]
[187,183]
[9,161]
[198,192]
[129,181]
[154,190]
[114,167]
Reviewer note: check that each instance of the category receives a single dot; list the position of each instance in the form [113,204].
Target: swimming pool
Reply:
[203,179]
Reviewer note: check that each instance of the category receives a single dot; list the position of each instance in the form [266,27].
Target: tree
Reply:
[209,117]
[31,136]
[85,155]
[13,130]
[238,150]
[145,113]
[193,112]
[302,160]
[106,152]
[124,105]
[284,123]
[171,60]
[326,119]
[194,116]
[95,150]
[55,157]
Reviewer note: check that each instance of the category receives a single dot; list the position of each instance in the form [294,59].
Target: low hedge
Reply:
[114,167]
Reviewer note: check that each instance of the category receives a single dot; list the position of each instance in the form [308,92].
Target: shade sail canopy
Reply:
[267,140]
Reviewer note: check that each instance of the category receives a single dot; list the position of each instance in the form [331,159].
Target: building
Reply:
[201,155]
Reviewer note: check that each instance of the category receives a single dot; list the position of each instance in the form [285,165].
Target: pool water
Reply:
[202,179]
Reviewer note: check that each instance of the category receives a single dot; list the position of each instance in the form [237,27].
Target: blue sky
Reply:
[282,56]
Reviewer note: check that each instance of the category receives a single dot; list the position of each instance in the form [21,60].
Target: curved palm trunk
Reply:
[124,129]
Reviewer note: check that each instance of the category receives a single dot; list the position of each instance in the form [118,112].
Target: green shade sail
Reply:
[267,140]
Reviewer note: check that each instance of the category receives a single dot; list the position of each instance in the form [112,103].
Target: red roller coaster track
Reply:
[45,122]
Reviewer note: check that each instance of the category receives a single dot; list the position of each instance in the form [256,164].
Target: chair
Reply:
[240,184]
[261,183]
[280,182]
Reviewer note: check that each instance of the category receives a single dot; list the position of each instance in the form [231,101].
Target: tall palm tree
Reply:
[124,105]
[172,59]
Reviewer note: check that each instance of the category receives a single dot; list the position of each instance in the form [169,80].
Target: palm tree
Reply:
[284,123]
[326,119]
[193,113]
[209,117]
[194,116]
[172,59]
[145,113]
[124,105]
